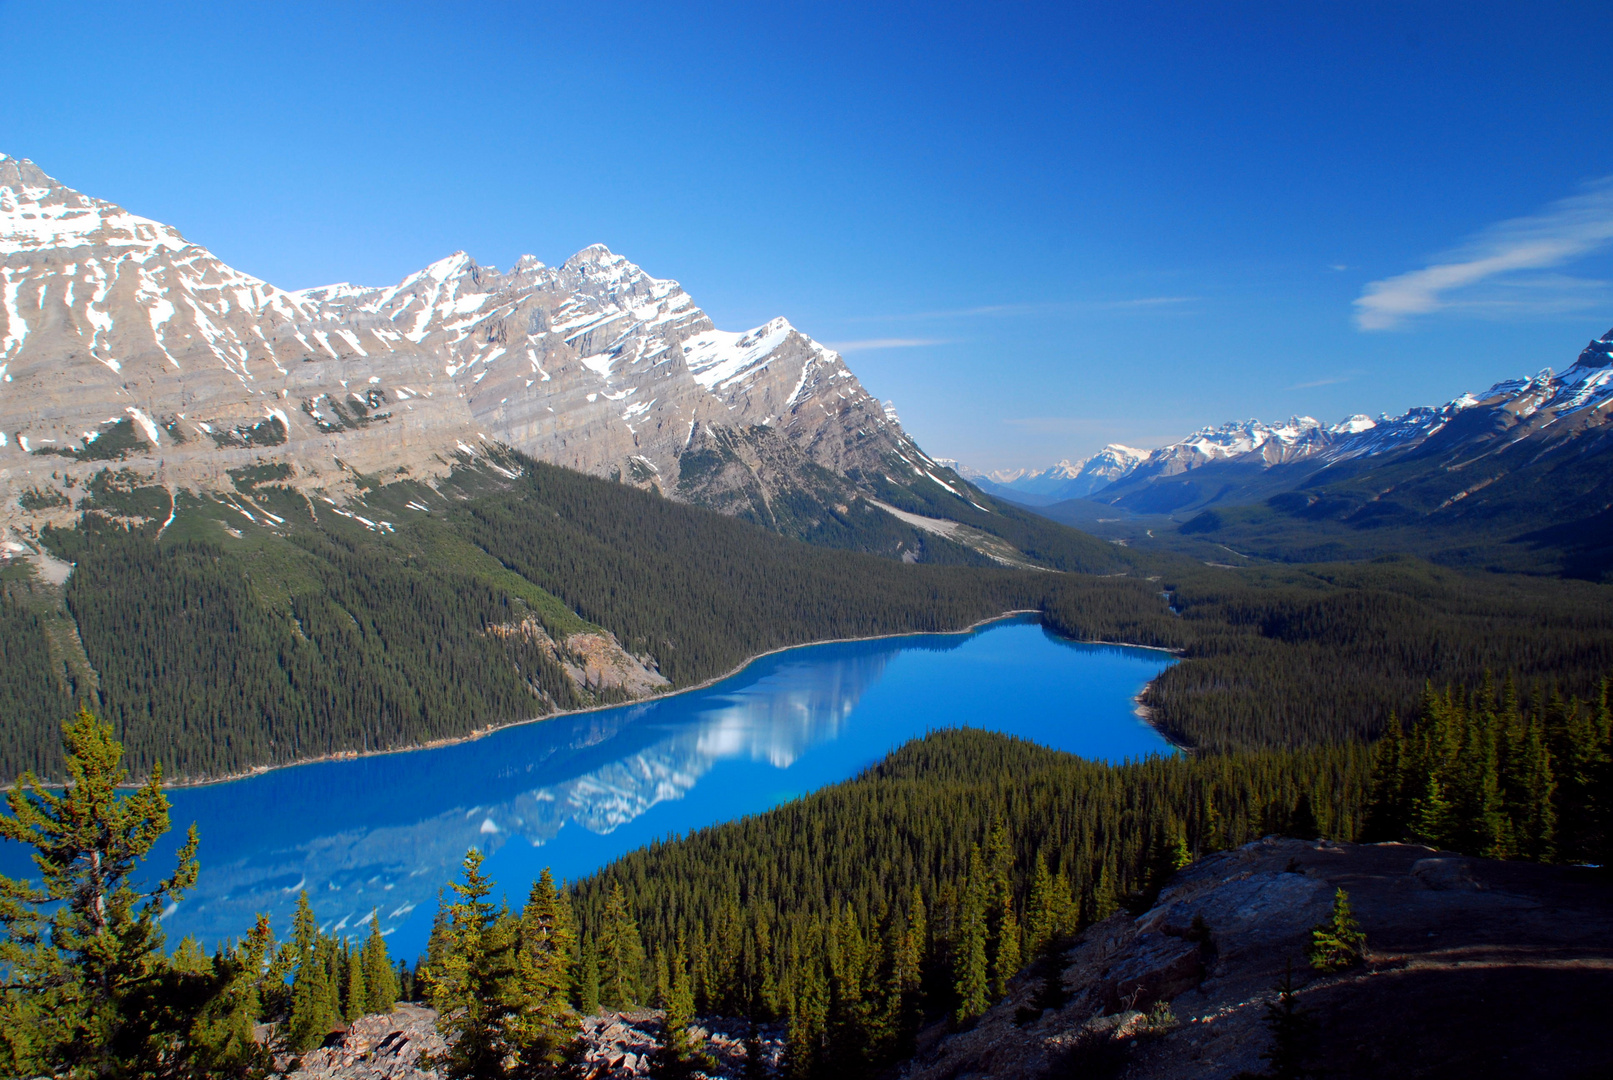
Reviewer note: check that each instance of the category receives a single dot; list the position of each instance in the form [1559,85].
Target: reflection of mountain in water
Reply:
[597,770]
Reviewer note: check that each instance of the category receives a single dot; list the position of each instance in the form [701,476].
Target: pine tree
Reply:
[621,954]
[1104,903]
[588,980]
[847,1027]
[101,943]
[1293,1033]
[1338,943]
[1386,805]
[380,981]
[542,1025]
[313,1012]
[1431,813]
[436,949]
[680,1054]
[1040,929]
[970,966]
[804,1046]
[469,982]
[219,1040]
[663,980]
[905,1002]
[355,994]
[1002,924]
[1538,830]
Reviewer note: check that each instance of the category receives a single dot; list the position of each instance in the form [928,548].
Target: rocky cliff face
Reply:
[124,345]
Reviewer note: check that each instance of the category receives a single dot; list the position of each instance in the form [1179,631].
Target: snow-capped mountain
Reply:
[1237,462]
[1064,480]
[1243,459]
[114,327]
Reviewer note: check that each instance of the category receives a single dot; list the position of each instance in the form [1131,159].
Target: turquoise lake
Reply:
[384,833]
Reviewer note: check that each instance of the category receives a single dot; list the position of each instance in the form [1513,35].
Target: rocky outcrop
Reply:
[404,1044]
[1475,969]
[400,1045]
[593,659]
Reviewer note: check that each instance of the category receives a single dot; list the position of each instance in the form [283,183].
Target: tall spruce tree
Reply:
[621,954]
[588,979]
[380,980]
[971,979]
[469,985]
[543,1026]
[83,947]
[355,995]
[1002,922]
[680,1054]
[314,1011]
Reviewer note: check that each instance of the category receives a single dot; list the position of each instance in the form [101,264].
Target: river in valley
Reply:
[384,833]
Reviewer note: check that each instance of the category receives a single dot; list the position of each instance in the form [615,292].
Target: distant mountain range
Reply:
[1518,477]
[1066,480]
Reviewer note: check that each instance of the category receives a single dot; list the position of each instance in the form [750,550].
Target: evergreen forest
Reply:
[855,916]
[216,648]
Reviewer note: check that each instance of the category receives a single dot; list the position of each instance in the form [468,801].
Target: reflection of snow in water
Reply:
[392,869]
[756,725]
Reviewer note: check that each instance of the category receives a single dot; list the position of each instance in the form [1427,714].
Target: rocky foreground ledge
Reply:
[1474,969]
[402,1045]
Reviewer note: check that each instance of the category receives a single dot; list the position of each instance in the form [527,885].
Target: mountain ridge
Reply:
[1517,478]
[1585,385]
[124,345]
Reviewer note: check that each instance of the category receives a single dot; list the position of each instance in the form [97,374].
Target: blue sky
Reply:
[1036,228]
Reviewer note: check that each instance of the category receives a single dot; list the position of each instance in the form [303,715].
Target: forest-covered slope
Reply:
[262,627]
[220,641]
[1295,655]
[869,908]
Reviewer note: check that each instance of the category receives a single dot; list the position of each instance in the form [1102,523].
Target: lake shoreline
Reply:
[1141,710]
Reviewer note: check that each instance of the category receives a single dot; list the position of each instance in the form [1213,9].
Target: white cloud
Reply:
[1502,257]
[1331,380]
[882,343]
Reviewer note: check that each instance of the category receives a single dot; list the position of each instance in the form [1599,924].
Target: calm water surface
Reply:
[385,833]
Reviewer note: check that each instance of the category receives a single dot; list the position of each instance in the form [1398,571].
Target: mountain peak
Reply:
[593,255]
[1597,354]
[594,365]
[38,212]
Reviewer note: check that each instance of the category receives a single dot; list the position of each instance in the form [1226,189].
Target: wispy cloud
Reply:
[1056,307]
[1503,257]
[883,343]
[1332,380]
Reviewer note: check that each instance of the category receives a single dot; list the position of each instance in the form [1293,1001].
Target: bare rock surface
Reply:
[1475,969]
[388,1047]
[402,1045]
